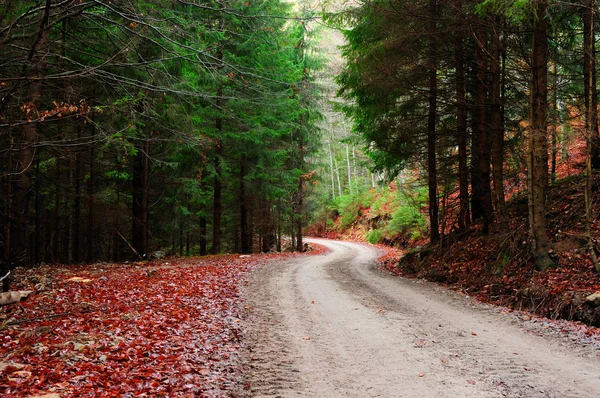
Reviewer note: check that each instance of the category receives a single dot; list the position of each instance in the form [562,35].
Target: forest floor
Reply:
[498,267]
[162,328]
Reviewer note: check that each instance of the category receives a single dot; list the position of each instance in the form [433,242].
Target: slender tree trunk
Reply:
[202,241]
[331,168]
[349,169]
[245,233]
[6,260]
[187,242]
[431,132]
[22,186]
[497,129]
[483,158]
[217,184]
[180,238]
[555,119]
[77,203]
[68,248]
[267,227]
[538,138]
[58,225]
[217,199]
[146,194]
[298,215]
[591,120]
[461,125]
[590,81]
[90,189]
[38,208]
[137,208]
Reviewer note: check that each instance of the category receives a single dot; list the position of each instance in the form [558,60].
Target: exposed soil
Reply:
[337,325]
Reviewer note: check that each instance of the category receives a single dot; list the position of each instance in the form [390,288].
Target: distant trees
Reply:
[130,126]
[490,60]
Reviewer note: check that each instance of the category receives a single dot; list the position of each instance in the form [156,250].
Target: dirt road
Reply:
[336,326]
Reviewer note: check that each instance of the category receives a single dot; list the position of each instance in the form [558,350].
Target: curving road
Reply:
[334,325]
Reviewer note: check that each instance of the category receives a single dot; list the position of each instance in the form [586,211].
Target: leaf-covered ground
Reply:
[169,328]
[498,267]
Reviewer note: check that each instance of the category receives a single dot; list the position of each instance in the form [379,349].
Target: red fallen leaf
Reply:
[145,337]
[421,374]
[473,334]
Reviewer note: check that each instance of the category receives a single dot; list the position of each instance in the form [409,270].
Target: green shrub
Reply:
[348,206]
[374,236]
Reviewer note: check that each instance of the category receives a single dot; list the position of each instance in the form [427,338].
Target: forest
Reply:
[157,155]
[129,127]
[463,105]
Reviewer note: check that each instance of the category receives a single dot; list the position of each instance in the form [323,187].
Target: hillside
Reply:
[498,267]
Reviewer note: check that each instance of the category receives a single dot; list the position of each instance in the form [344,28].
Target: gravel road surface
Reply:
[335,325]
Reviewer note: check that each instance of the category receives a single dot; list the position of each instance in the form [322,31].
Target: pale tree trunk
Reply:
[538,138]
[331,169]
[299,210]
[349,169]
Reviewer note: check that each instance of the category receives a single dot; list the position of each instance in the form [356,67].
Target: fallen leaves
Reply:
[175,334]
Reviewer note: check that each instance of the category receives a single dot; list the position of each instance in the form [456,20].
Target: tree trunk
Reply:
[431,132]
[5,261]
[496,116]
[77,202]
[590,81]
[591,121]
[217,184]
[138,228]
[538,138]
[90,189]
[22,187]
[244,231]
[268,238]
[180,238]
[202,232]
[331,168]
[187,242]
[555,120]
[37,231]
[461,125]
[217,199]
[482,168]
[58,227]
[298,216]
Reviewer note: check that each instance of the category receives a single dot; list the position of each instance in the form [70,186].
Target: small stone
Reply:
[593,299]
